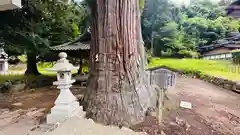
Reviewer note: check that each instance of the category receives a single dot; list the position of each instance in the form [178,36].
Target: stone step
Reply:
[80,126]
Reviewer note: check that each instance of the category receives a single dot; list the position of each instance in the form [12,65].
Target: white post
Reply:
[160,105]
[5,66]
[66,104]
[4,62]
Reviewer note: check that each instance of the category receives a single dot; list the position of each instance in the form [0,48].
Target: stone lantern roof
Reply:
[62,64]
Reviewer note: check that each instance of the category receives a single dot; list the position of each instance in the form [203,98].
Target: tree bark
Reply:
[31,65]
[117,92]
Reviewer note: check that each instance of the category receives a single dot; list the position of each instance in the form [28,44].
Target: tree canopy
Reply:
[178,31]
[174,30]
[40,24]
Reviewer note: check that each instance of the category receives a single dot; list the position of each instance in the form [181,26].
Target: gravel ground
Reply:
[215,111]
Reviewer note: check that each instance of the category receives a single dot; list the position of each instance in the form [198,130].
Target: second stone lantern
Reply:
[66,104]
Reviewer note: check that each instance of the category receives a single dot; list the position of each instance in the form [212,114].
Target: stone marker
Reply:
[66,104]
[164,79]
[3,62]
[17,104]
[186,105]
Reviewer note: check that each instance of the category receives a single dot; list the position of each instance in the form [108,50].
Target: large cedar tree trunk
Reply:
[31,65]
[117,93]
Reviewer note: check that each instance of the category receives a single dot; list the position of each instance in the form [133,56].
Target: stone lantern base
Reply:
[64,113]
[66,105]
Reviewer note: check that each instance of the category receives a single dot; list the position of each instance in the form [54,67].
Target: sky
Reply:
[187,2]
[177,2]
[78,0]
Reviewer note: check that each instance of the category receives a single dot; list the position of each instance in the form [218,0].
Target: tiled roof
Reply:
[71,46]
[80,43]
[233,46]
[221,45]
[234,9]
[230,42]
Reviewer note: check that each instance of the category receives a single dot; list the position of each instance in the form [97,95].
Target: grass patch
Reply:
[210,67]
[42,66]
[4,78]
[19,70]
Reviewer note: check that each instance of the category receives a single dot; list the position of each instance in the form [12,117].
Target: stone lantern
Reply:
[3,62]
[66,104]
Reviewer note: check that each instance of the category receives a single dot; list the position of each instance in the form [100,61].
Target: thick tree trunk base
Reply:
[123,108]
[118,92]
[31,65]
[29,73]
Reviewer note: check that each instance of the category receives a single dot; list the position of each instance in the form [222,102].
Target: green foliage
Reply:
[167,53]
[141,5]
[4,78]
[40,24]
[148,54]
[184,28]
[76,31]
[22,58]
[187,54]
[45,64]
[236,56]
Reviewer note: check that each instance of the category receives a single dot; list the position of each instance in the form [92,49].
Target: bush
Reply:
[167,53]
[187,54]
[236,57]
[149,56]
[13,60]
[44,65]
[22,58]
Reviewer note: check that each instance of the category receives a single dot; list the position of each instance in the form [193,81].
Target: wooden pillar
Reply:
[80,66]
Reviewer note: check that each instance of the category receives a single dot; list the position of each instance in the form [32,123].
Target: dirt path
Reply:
[22,112]
[215,110]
